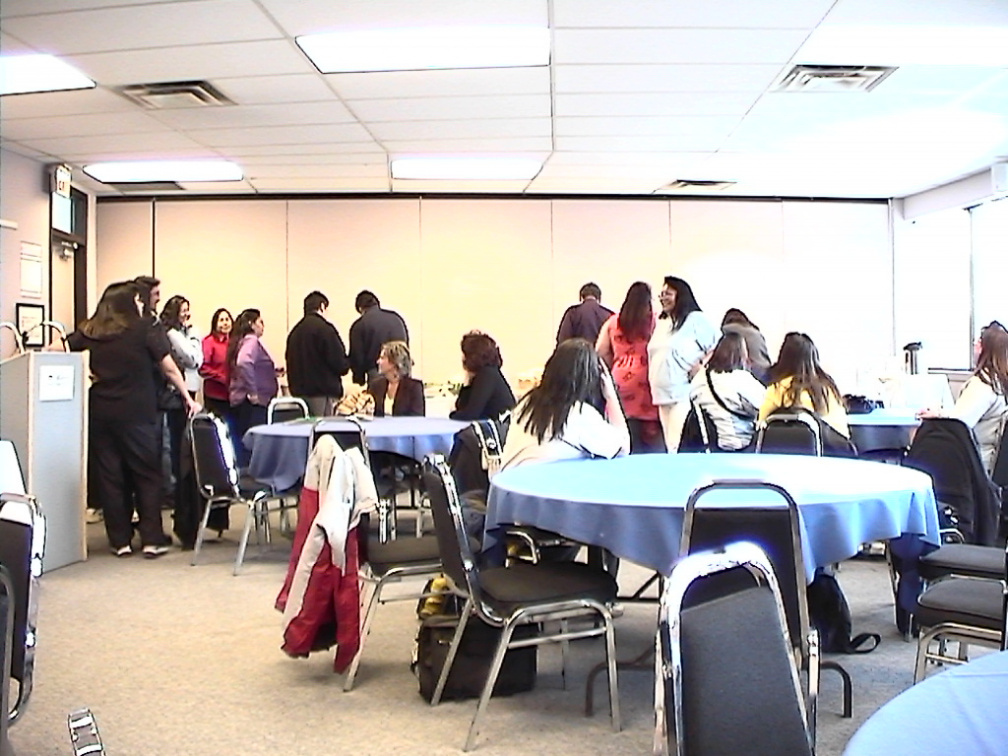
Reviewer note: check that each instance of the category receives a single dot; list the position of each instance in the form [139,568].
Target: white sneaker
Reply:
[91,516]
[153,552]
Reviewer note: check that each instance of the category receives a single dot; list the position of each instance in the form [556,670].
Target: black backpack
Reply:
[830,615]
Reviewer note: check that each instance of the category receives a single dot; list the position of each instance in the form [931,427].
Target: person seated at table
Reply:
[573,413]
[982,403]
[486,393]
[736,321]
[728,393]
[394,391]
[798,380]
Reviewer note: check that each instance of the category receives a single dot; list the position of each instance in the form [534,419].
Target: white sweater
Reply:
[741,392]
[984,410]
[673,351]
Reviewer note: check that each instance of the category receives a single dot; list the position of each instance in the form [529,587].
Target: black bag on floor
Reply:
[830,614]
[472,663]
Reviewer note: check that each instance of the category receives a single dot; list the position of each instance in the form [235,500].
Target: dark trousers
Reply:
[117,451]
[177,419]
[645,436]
[246,415]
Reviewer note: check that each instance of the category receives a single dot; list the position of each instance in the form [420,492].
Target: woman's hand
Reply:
[192,406]
[926,414]
[253,398]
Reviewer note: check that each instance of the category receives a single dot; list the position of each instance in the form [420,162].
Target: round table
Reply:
[633,506]
[882,429]
[959,711]
[279,452]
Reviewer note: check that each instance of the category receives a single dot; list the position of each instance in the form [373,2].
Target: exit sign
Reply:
[62,176]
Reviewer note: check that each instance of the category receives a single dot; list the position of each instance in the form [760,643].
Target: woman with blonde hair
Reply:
[394,391]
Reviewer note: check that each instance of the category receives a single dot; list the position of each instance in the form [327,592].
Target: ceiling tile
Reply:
[137,27]
[710,129]
[319,158]
[50,104]
[452,108]
[109,152]
[275,57]
[737,14]
[315,150]
[951,80]
[651,46]
[487,128]
[654,104]
[267,90]
[79,125]
[341,133]
[216,187]
[503,187]
[151,142]
[306,16]
[318,170]
[665,78]
[11,46]
[246,116]
[11,8]
[480,146]
[590,186]
[445,83]
[637,143]
[922,12]
[314,184]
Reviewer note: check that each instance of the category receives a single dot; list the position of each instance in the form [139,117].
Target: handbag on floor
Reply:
[830,614]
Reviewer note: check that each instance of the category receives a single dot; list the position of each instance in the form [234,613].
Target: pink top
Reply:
[629,360]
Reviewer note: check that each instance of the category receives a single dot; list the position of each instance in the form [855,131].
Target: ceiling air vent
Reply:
[689,184]
[812,78]
[175,94]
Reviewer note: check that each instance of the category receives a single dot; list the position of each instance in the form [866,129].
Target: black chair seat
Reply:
[965,601]
[402,552]
[506,588]
[248,486]
[963,559]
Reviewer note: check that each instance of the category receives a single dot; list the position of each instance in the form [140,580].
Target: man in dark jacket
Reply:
[373,328]
[584,320]
[316,358]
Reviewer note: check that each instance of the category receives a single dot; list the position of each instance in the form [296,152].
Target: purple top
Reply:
[253,373]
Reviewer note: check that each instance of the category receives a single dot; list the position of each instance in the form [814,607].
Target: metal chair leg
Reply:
[369,614]
[564,648]
[452,652]
[488,686]
[614,710]
[200,535]
[250,517]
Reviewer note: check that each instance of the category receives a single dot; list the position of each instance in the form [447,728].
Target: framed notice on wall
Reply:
[29,319]
[31,270]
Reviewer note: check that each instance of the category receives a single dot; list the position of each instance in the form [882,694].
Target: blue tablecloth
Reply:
[633,506]
[280,451]
[882,429]
[959,711]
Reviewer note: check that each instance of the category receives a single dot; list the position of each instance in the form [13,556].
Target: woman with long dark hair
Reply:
[622,345]
[736,321]
[728,393]
[982,403]
[124,431]
[253,377]
[798,380]
[215,369]
[682,337]
[574,412]
[486,393]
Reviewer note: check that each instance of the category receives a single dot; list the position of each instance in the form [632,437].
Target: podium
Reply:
[43,412]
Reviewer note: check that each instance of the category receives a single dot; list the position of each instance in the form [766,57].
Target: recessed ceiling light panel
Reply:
[163,170]
[23,74]
[427,48]
[465,168]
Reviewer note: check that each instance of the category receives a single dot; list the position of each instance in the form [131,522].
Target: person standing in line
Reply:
[374,327]
[215,370]
[736,321]
[584,320]
[682,337]
[316,358]
[622,345]
[253,377]
[124,434]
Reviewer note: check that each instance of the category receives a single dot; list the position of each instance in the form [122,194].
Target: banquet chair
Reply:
[386,563]
[774,525]
[786,432]
[6,649]
[221,485]
[22,544]
[961,609]
[699,432]
[522,594]
[284,408]
[724,663]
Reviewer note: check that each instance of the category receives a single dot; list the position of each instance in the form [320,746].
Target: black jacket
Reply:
[486,396]
[316,358]
[409,399]
[583,320]
[373,328]
[944,448]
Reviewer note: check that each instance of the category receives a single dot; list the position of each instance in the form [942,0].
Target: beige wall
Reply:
[511,266]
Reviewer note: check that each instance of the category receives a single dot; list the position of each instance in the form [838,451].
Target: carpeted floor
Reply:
[174,659]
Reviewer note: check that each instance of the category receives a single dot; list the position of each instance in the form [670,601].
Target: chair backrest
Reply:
[284,408]
[476,454]
[724,661]
[491,446]
[6,646]
[456,551]
[772,523]
[347,439]
[214,462]
[999,473]
[22,544]
[790,432]
[699,432]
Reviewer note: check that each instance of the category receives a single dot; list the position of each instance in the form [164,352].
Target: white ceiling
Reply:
[639,93]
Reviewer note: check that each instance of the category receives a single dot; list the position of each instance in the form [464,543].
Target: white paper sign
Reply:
[56,383]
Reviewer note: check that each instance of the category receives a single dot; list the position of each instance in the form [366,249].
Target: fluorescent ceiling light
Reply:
[427,47]
[465,169]
[20,74]
[163,170]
